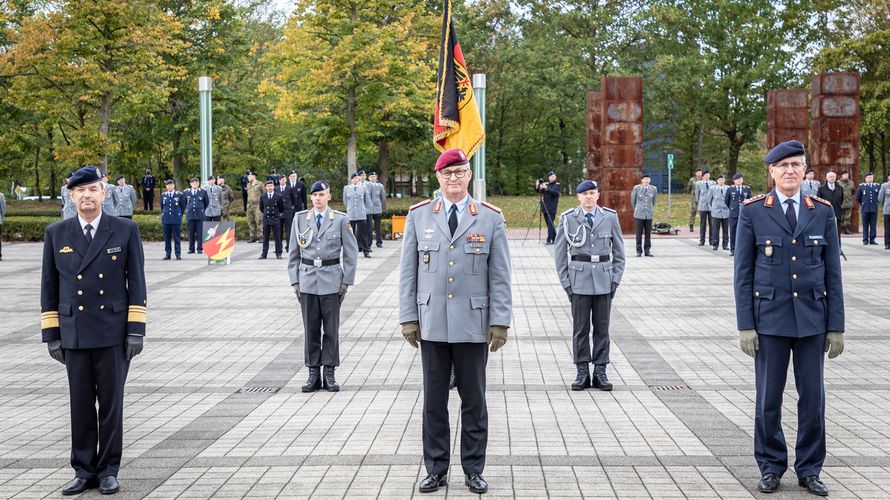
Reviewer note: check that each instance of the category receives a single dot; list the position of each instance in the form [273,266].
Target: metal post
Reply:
[670,161]
[205,87]
[479,157]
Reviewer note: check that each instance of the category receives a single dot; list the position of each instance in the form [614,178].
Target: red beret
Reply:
[451,157]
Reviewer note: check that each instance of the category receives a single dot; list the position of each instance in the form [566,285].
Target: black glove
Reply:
[614,289]
[55,350]
[134,346]
[569,293]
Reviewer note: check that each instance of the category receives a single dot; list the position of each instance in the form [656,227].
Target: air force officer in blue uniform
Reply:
[92,302]
[789,299]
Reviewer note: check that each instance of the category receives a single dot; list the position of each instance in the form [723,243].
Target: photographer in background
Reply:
[550,192]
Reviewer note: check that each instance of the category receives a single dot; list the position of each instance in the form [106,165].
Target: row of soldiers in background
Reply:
[365,200]
[272,218]
[120,198]
[718,206]
[211,203]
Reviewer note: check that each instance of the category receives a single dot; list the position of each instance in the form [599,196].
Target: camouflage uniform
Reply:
[849,188]
[254,216]
[693,208]
[228,197]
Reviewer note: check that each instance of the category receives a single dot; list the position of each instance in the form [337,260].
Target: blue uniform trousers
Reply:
[733,224]
[771,370]
[195,228]
[869,227]
[172,231]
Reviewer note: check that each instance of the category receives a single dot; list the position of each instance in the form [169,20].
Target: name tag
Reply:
[113,250]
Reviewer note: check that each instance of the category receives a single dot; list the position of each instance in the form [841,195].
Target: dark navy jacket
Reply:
[92,295]
[867,197]
[788,284]
[734,198]
[172,207]
[273,209]
[195,204]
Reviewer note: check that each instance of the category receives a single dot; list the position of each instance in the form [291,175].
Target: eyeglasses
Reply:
[457,173]
[793,165]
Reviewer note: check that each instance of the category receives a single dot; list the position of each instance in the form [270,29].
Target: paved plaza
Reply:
[214,407]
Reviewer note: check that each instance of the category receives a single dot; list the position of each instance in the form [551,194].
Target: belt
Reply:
[591,258]
[320,263]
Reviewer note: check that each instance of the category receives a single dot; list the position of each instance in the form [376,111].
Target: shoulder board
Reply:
[754,199]
[567,212]
[607,209]
[337,212]
[489,205]
[820,200]
[417,205]
[298,213]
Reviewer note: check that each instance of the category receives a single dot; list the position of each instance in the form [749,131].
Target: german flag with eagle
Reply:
[456,123]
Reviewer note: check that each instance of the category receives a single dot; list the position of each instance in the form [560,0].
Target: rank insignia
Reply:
[303,242]
[66,249]
[768,250]
[426,257]
[476,238]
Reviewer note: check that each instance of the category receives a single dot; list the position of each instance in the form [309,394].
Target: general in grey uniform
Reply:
[126,197]
[719,213]
[702,188]
[356,199]
[112,198]
[213,212]
[455,298]
[378,203]
[589,257]
[642,197]
[321,264]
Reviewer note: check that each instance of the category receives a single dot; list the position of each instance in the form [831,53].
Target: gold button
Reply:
[794,276]
[757,294]
[793,258]
[101,275]
[80,292]
[80,308]
[794,242]
[80,276]
[114,257]
[795,294]
[450,296]
[451,280]
[815,242]
[101,292]
[451,263]
[768,242]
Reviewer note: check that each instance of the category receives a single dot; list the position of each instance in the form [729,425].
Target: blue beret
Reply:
[319,185]
[194,179]
[784,150]
[211,178]
[68,176]
[586,186]
[85,175]
[353,176]
[706,171]
[809,170]
[270,180]
[169,181]
[119,178]
[738,175]
[869,173]
[720,176]
[697,169]
[645,174]
[551,173]
[371,173]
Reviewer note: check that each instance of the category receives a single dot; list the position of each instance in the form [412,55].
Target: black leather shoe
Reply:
[582,381]
[77,486]
[178,257]
[108,485]
[313,383]
[452,381]
[379,245]
[600,380]
[167,258]
[261,257]
[701,244]
[650,254]
[769,483]
[328,382]
[639,254]
[813,485]
[432,483]
[476,483]
[367,255]
[278,256]
[190,252]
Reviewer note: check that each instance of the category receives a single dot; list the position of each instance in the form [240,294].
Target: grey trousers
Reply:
[587,310]
[321,312]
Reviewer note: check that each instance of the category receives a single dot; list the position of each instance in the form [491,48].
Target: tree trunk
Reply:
[37,174]
[52,165]
[351,154]
[177,158]
[382,160]
[701,140]
[104,128]
[732,161]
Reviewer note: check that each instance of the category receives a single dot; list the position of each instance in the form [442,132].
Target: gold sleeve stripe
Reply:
[49,323]
[136,317]
[50,314]
[138,308]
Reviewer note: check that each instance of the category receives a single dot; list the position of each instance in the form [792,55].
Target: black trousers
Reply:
[548,219]
[704,224]
[587,310]
[96,375]
[886,230]
[644,228]
[1,240]
[275,229]
[733,222]
[321,312]
[717,225]
[171,231]
[244,198]
[375,225]
[212,218]
[360,230]
[195,228]
[148,200]
[287,223]
[469,361]
[770,373]
[869,226]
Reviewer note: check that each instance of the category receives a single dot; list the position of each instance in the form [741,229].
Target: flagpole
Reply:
[479,187]
[205,87]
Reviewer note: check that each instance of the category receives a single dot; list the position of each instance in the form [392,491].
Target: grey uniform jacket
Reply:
[127,198]
[356,199]
[717,202]
[643,200]
[455,286]
[603,240]
[378,198]
[884,199]
[214,208]
[112,200]
[702,188]
[69,210]
[333,241]
[2,207]
[809,187]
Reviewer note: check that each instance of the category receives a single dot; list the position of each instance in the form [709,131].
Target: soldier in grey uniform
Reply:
[719,213]
[213,212]
[809,186]
[127,198]
[356,199]
[112,198]
[702,188]
[884,201]
[455,300]
[321,265]
[589,257]
[378,205]
[643,200]
[69,209]
[693,207]
[2,214]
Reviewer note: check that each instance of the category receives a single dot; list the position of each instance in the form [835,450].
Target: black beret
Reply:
[221,176]
[697,169]
[361,172]
[645,175]
[85,175]
[809,170]
[869,173]
[270,181]
[169,181]
[319,185]
[211,178]
[354,175]
[784,150]
[845,171]
[738,175]
[706,171]
[551,173]
[371,173]
[194,179]
[292,172]
[720,176]
[250,172]
[119,177]
[586,185]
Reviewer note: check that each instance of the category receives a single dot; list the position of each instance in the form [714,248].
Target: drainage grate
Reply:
[679,387]
[259,390]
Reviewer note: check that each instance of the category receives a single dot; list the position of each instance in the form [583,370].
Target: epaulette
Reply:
[820,200]
[567,212]
[339,212]
[417,205]
[607,209]
[298,213]
[489,205]
[756,198]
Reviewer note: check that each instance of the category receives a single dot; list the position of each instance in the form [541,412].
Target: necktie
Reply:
[589,220]
[790,215]
[318,221]
[452,219]
[88,232]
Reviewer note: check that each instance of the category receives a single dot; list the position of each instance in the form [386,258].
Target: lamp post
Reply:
[479,157]
[205,87]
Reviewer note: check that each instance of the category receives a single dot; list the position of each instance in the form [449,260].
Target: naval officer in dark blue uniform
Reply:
[196,202]
[172,208]
[734,197]
[93,307]
[789,299]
